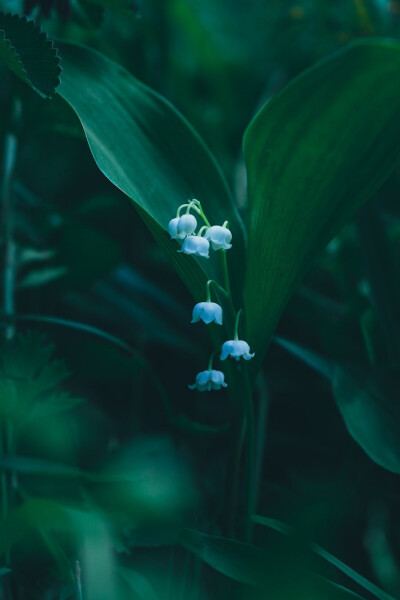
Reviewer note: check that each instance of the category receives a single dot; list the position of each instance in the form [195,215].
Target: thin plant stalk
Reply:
[250,480]
[78,582]
[9,253]
[261,428]
[234,483]
[7,220]
[225,273]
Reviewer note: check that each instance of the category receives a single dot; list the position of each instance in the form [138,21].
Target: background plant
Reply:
[128,483]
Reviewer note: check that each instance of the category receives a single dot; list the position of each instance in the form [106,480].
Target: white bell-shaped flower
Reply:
[209,380]
[236,349]
[197,245]
[219,237]
[181,227]
[207,312]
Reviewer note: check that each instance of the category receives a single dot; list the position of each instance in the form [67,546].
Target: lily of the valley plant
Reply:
[183,227]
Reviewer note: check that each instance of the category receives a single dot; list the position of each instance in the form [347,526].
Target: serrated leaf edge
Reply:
[48,42]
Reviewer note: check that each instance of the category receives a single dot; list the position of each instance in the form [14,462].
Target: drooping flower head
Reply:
[197,245]
[180,227]
[219,236]
[207,312]
[236,349]
[209,380]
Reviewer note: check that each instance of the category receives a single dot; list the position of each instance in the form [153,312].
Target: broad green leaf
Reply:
[312,359]
[367,401]
[150,152]
[281,568]
[26,50]
[314,154]
[286,529]
[370,409]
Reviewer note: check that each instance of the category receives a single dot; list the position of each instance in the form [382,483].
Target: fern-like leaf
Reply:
[28,52]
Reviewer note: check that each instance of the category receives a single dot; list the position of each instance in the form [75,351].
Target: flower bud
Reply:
[181,227]
[207,312]
[219,237]
[209,380]
[236,349]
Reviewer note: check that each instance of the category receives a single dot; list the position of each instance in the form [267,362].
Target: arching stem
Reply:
[218,286]
[236,330]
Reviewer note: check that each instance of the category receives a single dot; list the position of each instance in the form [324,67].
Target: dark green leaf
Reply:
[88,14]
[35,466]
[127,6]
[359,579]
[369,406]
[87,529]
[312,359]
[280,568]
[314,154]
[26,50]
[31,515]
[367,401]
[138,584]
[148,150]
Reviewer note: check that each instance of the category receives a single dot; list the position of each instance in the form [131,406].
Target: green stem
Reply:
[4,491]
[208,296]
[243,438]
[199,210]
[185,575]
[170,575]
[227,284]
[234,487]
[210,362]
[7,239]
[219,288]
[260,433]
[250,481]
[202,229]
[178,212]
[7,221]
[78,583]
[236,330]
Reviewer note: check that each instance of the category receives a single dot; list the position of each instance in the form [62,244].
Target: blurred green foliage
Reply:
[106,456]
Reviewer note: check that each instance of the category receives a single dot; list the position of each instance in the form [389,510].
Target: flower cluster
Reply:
[219,237]
[184,227]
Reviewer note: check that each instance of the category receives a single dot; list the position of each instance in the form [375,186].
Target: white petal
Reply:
[195,244]
[203,247]
[196,314]
[236,349]
[186,224]
[173,227]
[188,247]
[219,237]
[225,350]
[218,317]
